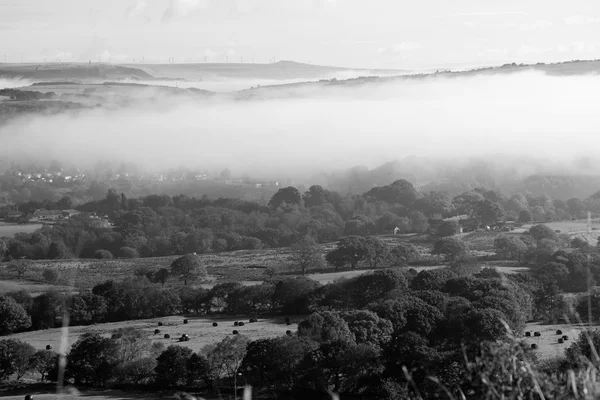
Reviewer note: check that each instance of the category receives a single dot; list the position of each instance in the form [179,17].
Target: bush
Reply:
[129,252]
[50,275]
[103,255]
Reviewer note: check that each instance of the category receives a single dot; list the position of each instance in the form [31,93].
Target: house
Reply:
[47,215]
[13,216]
[70,213]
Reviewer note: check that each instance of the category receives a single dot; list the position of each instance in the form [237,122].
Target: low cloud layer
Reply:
[524,115]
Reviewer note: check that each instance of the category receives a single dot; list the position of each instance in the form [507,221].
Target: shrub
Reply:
[103,255]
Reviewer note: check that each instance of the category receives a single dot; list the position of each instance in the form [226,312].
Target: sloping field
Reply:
[548,345]
[199,329]
[33,288]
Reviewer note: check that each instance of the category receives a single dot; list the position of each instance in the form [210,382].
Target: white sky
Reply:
[351,33]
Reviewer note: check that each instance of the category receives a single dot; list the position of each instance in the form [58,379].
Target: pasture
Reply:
[9,230]
[199,329]
[547,343]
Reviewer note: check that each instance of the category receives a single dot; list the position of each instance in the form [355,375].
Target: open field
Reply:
[548,345]
[9,230]
[31,287]
[46,394]
[199,329]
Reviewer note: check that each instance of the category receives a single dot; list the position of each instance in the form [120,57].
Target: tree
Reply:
[306,255]
[19,267]
[315,196]
[579,243]
[7,366]
[13,316]
[377,251]
[91,360]
[418,221]
[226,357]
[289,195]
[292,295]
[453,248]
[350,250]
[58,251]
[433,279]
[448,228]
[22,354]
[129,252]
[510,247]
[188,268]
[44,362]
[541,231]
[103,254]
[325,327]
[403,253]
[488,212]
[525,216]
[50,275]
[162,275]
[172,366]
[367,327]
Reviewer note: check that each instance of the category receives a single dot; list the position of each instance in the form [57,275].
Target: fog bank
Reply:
[521,115]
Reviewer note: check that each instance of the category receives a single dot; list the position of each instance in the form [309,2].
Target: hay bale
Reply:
[565,337]
[560,340]
[527,334]
[215,324]
[534,346]
[241,324]
[156,331]
[235,332]
[288,332]
[167,336]
[48,347]
[28,397]
[160,324]
[236,323]
[185,321]
[559,332]
[537,334]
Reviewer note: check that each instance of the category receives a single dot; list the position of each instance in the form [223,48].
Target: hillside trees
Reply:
[306,255]
[188,268]
[452,248]
[13,316]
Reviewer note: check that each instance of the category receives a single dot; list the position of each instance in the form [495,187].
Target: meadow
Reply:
[9,230]
[199,329]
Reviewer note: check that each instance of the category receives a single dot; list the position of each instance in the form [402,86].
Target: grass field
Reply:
[199,329]
[33,288]
[548,345]
[9,230]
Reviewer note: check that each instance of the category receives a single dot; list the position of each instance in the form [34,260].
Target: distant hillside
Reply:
[71,71]
[277,71]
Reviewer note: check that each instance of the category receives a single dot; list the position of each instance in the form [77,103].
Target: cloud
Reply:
[481,14]
[181,8]
[538,24]
[136,9]
[577,47]
[493,54]
[581,20]
[470,24]
[525,49]
[401,47]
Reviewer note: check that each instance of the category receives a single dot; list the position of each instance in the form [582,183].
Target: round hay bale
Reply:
[48,347]
[160,324]
[559,332]
[251,320]
[560,340]
[235,332]
[185,321]
[28,397]
[215,324]
[167,336]
[537,334]
[241,324]
[527,334]
[534,346]
[288,332]
[156,331]
[565,337]
[236,323]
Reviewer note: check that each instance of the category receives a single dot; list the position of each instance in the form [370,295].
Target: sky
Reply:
[394,34]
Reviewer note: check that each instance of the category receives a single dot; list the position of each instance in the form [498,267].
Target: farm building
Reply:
[46,215]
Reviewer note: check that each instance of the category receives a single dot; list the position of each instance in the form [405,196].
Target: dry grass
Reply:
[33,288]
[9,230]
[548,345]
[199,329]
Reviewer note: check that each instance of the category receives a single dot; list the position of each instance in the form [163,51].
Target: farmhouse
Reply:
[46,215]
